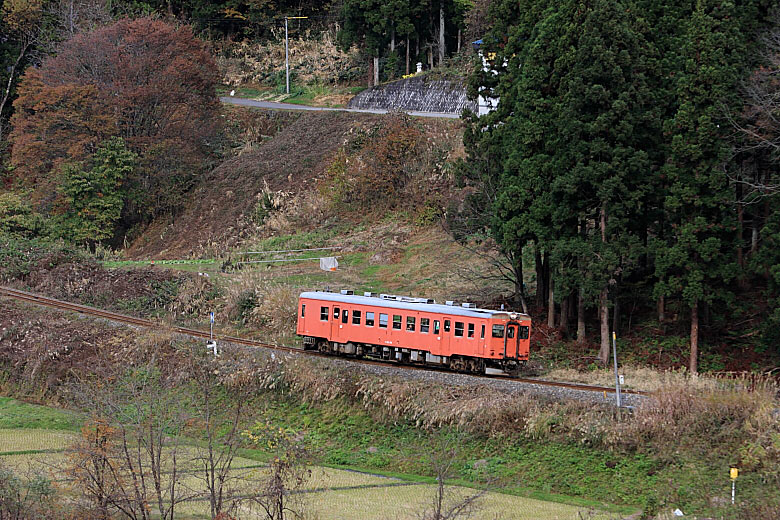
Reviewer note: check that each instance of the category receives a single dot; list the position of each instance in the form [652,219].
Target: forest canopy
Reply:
[615,152]
[144,81]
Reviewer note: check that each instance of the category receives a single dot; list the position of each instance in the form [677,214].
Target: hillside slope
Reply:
[217,214]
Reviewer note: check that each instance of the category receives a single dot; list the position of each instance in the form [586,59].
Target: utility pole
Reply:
[287,50]
[617,377]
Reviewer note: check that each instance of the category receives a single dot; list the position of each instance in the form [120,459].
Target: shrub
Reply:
[17,219]
[374,177]
[19,256]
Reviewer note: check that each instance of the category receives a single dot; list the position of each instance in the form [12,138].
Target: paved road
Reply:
[289,106]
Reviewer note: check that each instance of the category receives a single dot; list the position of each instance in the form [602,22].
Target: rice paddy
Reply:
[328,493]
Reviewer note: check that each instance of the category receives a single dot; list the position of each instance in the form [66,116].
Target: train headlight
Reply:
[513,315]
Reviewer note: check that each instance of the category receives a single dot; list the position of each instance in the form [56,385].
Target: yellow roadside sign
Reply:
[734,473]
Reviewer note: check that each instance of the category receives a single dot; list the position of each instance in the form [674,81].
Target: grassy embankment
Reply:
[673,453]
[34,438]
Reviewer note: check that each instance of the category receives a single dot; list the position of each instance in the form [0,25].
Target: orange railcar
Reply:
[413,330]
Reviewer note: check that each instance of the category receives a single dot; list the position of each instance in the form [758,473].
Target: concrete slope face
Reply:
[416,94]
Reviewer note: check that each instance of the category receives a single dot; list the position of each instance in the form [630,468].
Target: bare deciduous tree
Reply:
[222,410]
[448,502]
[128,462]
[758,127]
[26,498]
[278,495]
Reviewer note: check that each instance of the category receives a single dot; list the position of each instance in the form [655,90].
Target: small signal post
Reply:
[212,345]
[733,473]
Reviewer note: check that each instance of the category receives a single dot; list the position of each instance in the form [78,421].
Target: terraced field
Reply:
[328,494]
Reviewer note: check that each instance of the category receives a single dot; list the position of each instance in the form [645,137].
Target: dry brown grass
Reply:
[636,378]
[262,304]
[246,62]
[696,417]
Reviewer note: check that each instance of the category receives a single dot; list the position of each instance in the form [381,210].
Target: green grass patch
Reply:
[245,92]
[345,437]
[16,414]
[143,263]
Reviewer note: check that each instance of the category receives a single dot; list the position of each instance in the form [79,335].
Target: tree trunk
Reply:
[550,306]
[615,311]
[430,56]
[661,309]
[740,231]
[407,55]
[459,34]
[392,40]
[754,236]
[376,70]
[694,364]
[11,75]
[519,285]
[563,323]
[540,295]
[604,317]
[604,298]
[580,317]
[442,43]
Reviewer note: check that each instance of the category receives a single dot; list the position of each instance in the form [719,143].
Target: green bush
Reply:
[18,256]
[17,218]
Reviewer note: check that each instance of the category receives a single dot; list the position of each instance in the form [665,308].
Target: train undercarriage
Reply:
[406,356]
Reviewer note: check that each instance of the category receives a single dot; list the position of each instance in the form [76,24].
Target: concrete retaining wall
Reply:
[416,94]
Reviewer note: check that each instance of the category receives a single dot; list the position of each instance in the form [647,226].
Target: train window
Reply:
[436,327]
[336,313]
[446,325]
[523,332]
[410,323]
[397,321]
[355,317]
[324,314]
[510,332]
[424,325]
[369,319]
[471,330]
[482,333]
[303,310]
[498,331]
[382,321]
[345,316]
[459,329]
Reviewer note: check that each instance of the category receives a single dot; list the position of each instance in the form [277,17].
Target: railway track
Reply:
[142,322]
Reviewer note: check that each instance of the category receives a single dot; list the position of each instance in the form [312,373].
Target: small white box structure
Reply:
[329,263]
[485,105]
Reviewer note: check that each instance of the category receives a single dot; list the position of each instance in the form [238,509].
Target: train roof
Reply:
[408,303]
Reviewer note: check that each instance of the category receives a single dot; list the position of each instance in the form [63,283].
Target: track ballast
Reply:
[146,323]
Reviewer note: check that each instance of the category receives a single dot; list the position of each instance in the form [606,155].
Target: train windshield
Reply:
[498,331]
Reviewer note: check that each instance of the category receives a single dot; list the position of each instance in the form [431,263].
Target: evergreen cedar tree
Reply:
[608,150]
[383,27]
[142,80]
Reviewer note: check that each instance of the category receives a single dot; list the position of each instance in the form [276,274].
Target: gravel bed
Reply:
[442,377]
[455,379]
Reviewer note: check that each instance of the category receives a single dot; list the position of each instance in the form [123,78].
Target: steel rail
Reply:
[146,323]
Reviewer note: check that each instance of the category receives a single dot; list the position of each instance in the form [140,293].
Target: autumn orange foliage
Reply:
[144,80]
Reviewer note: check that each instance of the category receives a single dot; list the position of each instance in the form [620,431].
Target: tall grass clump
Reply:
[262,304]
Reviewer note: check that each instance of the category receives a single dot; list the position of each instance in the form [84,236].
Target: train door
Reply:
[512,340]
[443,334]
[340,324]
